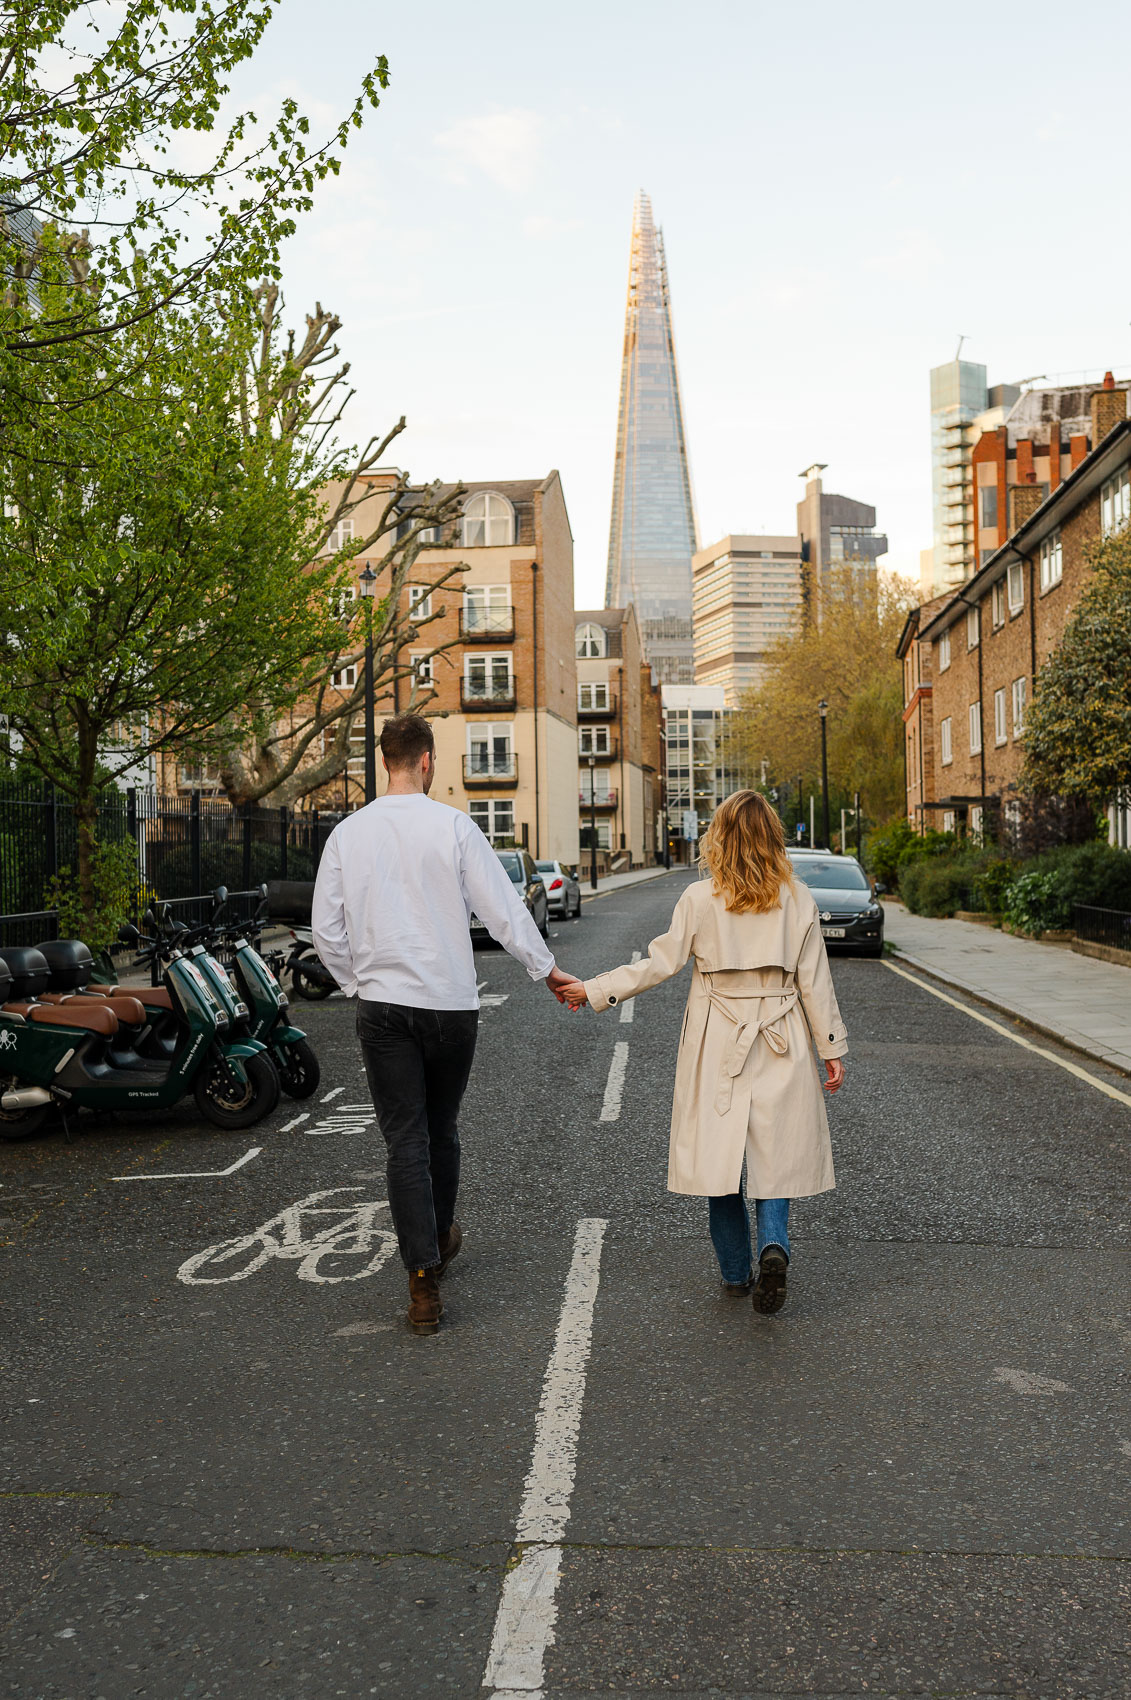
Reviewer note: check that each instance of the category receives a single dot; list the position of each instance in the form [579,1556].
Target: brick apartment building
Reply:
[971,658]
[502,699]
[619,719]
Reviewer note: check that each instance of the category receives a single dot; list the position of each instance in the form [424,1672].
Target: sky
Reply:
[844,191]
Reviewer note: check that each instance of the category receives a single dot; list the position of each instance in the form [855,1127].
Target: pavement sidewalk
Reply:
[1084,1002]
[614,882]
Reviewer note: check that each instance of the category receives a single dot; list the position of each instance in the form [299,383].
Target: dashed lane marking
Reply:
[1026,1044]
[197,1174]
[524,1624]
[628,1007]
[1025,1381]
[614,1086]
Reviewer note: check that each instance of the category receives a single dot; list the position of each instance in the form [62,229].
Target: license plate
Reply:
[832,932]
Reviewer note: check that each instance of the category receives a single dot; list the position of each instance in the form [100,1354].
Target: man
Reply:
[395,891]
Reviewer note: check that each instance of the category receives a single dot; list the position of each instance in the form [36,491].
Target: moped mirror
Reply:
[150,920]
[128,934]
[221,894]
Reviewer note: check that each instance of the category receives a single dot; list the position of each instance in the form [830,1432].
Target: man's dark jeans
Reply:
[418,1062]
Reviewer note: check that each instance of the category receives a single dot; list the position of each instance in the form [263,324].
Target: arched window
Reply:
[487,519]
[590,640]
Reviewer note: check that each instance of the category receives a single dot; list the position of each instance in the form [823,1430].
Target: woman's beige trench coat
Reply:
[746,1080]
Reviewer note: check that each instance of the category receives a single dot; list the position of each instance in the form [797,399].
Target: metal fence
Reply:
[1103,926]
[185,846]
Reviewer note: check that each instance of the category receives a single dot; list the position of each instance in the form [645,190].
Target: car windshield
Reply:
[835,875]
[513,866]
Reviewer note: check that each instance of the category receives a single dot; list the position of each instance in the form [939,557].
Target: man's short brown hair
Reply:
[405,738]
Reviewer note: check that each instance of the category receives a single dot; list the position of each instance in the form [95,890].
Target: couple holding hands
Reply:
[397,883]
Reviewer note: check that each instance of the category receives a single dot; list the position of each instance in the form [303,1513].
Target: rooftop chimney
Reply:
[1109,406]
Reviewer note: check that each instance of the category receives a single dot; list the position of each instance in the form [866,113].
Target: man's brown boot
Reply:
[450,1244]
[425,1306]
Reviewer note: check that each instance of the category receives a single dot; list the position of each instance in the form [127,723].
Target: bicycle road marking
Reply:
[336,1093]
[614,1086]
[197,1174]
[354,1232]
[1027,1044]
[628,1007]
[524,1623]
[297,1120]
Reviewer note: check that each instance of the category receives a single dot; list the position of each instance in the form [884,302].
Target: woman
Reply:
[747,1089]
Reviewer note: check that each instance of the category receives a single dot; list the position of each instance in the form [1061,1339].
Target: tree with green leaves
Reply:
[849,661]
[1078,728]
[96,103]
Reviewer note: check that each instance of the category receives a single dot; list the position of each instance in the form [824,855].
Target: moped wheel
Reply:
[228,1102]
[299,1072]
[23,1124]
[306,987]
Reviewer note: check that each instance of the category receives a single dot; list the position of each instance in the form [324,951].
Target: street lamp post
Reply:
[592,824]
[824,710]
[368,582]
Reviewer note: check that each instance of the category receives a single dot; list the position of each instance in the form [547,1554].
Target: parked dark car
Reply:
[851,917]
[519,864]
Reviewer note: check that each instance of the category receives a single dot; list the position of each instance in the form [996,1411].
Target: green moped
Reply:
[78,1052]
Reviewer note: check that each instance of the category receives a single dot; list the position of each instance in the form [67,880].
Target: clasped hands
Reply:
[566,988]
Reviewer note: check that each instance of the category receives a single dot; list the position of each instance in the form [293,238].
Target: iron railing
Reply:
[1103,926]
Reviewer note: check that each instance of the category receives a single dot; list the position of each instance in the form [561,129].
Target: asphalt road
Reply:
[238,1474]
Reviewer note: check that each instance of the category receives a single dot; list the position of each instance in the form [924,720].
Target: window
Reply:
[487,678]
[1001,731]
[1018,707]
[973,627]
[340,536]
[944,652]
[975,728]
[1015,588]
[355,762]
[1115,503]
[495,817]
[997,604]
[487,520]
[490,750]
[427,534]
[989,504]
[422,668]
[1052,561]
[344,679]
[487,608]
[591,641]
[594,698]
[975,821]
[593,741]
[595,785]
[342,600]
[948,820]
[419,601]
[944,738]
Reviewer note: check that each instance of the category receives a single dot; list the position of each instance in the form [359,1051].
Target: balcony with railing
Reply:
[602,801]
[486,693]
[486,625]
[611,751]
[591,710]
[486,769]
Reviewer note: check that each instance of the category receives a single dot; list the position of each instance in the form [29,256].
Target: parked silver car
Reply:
[562,889]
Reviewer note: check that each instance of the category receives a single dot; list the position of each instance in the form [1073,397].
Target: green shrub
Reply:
[1033,904]
[991,886]
[947,877]
[891,848]
[114,877]
[1044,895]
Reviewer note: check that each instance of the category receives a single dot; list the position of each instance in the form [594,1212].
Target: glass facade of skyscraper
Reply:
[652,535]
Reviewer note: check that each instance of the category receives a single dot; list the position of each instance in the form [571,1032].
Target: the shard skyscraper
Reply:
[652,535]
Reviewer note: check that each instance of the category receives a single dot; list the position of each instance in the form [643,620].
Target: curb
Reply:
[591,896]
[979,996]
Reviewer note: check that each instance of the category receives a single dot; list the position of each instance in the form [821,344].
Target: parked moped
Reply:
[78,1051]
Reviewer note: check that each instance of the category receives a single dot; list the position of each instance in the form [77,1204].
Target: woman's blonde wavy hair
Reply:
[743,851]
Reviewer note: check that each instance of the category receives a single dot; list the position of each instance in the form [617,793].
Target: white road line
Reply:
[1026,1044]
[628,1007]
[524,1624]
[305,1117]
[614,1086]
[197,1174]
[336,1093]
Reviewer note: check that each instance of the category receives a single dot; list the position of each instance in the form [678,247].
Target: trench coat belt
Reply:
[746,1032]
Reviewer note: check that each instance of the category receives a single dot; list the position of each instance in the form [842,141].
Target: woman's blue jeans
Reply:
[730,1232]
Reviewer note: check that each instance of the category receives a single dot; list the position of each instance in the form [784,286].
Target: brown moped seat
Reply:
[125,1006]
[156,997]
[91,1017]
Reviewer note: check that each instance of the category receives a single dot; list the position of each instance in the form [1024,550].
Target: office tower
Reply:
[835,531]
[747,595]
[652,534]
[962,407]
